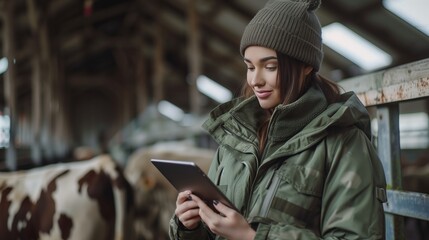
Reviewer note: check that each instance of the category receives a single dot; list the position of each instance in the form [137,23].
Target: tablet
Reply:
[186,175]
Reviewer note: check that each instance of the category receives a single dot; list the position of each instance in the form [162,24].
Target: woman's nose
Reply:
[256,79]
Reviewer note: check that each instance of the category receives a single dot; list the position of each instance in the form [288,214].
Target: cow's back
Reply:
[81,200]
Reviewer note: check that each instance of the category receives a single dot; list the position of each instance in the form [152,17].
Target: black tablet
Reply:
[186,175]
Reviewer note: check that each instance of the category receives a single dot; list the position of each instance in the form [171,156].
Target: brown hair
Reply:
[293,84]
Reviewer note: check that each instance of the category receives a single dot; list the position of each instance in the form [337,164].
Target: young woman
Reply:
[295,155]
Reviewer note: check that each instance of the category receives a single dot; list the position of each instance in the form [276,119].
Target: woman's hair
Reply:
[293,84]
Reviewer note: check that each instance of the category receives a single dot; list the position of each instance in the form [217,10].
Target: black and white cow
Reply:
[77,201]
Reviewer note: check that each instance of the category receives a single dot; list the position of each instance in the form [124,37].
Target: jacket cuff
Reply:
[262,231]
[178,231]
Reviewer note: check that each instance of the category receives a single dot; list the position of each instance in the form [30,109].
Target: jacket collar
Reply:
[243,116]
[286,120]
[295,127]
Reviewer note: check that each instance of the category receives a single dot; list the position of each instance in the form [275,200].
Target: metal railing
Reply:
[385,90]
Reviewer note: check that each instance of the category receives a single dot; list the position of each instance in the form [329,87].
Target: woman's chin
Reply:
[266,105]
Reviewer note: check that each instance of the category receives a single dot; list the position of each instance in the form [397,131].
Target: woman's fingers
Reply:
[187,210]
[183,197]
[206,213]
[201,204]
[223,209]
[190,219]
[224,221]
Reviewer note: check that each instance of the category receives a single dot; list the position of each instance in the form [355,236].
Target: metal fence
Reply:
[385,90]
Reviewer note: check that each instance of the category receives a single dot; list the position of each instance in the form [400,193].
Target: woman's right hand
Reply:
[187,210]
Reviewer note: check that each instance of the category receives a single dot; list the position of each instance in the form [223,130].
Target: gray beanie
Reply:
[287,26]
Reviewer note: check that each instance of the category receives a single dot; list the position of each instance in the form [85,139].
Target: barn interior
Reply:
[85,73]
[85,77]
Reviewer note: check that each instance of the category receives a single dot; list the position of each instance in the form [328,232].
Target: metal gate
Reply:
[385,90]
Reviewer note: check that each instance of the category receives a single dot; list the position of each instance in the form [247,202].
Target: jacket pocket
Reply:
[297,197]
[304,180]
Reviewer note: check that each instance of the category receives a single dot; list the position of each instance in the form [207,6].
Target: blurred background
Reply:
[104,75]
[85,77]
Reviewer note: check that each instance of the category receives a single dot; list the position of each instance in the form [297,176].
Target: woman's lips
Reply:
[263,94]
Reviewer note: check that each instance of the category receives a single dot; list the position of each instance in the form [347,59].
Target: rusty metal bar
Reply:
[406,82]
[409,204]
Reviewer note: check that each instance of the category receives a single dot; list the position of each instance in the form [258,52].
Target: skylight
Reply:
[213,90]
[352,46]
[412,11]
[3,65]
[170,110]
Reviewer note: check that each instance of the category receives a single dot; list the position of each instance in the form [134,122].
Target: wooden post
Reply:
[159,68]
[36,116]
[194,57]
[60,129]
[125,71]
[43,129]
[47,97]
[9,79]
[139,58]
[36,87]
[141,83]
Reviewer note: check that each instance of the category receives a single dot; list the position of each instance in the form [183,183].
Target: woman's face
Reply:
[262,68]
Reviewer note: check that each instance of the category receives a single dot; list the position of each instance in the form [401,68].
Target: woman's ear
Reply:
[307,70]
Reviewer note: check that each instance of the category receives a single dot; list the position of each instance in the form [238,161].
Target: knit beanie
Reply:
[287,26]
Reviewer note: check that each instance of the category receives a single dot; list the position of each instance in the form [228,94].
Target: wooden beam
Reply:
[80,23]
[231,39]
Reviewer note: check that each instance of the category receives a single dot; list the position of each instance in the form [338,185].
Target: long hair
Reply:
[293,84]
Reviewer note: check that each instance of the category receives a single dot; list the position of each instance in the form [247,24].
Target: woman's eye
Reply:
[250,68]
[271,68]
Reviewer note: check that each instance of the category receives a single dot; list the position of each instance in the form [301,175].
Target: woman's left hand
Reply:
[228,223]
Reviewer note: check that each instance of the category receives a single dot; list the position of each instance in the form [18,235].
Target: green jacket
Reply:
[318,178]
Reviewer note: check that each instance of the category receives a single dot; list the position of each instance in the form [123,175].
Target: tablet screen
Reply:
[186,175]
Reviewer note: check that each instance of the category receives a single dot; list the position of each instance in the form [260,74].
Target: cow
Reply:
[83,200]
[155,197]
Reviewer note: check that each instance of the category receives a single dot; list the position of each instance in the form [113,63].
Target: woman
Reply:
[294,155]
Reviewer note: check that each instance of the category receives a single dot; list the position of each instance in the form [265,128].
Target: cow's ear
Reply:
[148,182]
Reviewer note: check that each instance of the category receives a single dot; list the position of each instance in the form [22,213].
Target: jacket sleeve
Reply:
[352,196]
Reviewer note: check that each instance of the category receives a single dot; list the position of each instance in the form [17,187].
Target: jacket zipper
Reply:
[273,181]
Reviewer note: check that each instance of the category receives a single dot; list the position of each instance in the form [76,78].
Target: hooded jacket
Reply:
[319,176]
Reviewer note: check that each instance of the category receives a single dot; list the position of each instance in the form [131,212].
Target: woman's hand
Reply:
[228,223]
[187,210]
